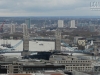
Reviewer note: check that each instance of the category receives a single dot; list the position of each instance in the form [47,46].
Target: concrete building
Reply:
[32,67]
[60,23]
[81,43]
[28,22]
[12,67]
[76,39]
[72,24]
[58,40]
[28,67]
[12,28]
[79,73]
[72,63]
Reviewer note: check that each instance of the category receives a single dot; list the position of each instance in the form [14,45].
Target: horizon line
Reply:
[49,16]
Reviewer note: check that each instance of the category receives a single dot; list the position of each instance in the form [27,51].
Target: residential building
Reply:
[72,24]
[12,28]
[60,23]
[25,28]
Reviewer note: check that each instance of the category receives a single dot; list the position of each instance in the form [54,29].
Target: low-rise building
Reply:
[72,63]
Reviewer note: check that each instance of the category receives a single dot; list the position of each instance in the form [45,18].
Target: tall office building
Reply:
[28,22]
[60,23]
[72,24]
[12,28]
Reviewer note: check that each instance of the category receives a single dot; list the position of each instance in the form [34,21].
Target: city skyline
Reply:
[48,8]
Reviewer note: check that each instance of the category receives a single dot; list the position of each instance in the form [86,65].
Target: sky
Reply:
[49,7]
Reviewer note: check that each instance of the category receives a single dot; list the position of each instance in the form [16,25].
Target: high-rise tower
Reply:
[60,23]
[72,24]
[28,22]
[24,26]
[12,28]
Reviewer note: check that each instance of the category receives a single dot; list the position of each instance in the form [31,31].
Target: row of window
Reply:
[79,68]
[85,70]
[73,61]
[14,72]
[78,65]
[32,69]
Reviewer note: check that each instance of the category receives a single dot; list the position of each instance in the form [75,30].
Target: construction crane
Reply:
[1,27]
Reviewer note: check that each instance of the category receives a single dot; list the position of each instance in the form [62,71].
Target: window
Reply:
[73,65]
[67,65]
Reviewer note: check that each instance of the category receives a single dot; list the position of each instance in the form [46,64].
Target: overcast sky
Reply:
[47,8]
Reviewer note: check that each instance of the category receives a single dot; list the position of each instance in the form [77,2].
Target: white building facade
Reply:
[72,24]
[60,23]
[24,26]
[12,28]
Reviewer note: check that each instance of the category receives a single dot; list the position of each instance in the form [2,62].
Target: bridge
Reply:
[42,38]
[72,50]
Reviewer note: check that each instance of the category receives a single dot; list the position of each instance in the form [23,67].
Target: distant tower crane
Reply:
[1,27]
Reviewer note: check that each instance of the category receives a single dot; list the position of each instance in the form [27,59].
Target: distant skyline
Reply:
[48,8]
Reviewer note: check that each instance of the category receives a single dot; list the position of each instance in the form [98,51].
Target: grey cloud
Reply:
[42,6]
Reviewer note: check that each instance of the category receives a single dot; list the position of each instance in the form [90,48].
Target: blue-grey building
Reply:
[28,22]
